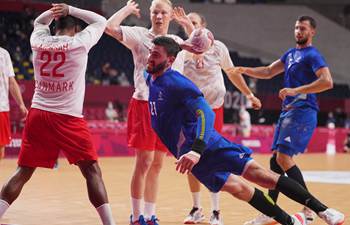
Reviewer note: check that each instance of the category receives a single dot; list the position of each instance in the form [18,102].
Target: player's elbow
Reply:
[327,82]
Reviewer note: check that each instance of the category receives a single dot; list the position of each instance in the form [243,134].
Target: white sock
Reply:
[3,207]
[196,197]
[136,205]
[105,213]
[150,210]
[215,201]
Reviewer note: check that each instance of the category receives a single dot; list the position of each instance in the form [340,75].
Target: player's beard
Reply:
[157,68]
[301,41]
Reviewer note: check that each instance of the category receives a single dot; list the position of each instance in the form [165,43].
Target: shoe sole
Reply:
[342,222]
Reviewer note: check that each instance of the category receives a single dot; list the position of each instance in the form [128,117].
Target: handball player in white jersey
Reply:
[55,122]
[205,71]
[8,84]
[150,151]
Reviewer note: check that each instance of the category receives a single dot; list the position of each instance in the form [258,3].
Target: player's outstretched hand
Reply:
[59,10]
[133,8]
[179,16]
[187,162]
[287,92]
[256,103]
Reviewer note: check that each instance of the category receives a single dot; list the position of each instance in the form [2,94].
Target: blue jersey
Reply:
[179,113]
[300,66]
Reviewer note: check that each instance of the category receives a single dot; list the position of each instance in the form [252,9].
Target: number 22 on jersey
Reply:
[58,57]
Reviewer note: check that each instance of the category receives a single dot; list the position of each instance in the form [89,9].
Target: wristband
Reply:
[198,146]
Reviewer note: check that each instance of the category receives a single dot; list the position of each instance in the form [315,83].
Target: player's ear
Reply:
[171,59]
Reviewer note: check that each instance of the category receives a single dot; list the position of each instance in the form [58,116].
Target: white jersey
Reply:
[6,71]
[59,68]
[139,41]
[205,71]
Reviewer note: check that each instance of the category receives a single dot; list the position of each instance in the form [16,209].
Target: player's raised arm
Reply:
[93,32]
[113,24]
[263,72]
[182,19]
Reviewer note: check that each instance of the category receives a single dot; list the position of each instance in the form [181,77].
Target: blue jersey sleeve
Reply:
[317,61]
[205,117]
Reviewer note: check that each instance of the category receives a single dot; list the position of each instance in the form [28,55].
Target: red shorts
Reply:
[219,118]
[140,132]
[46,134]
[5,130]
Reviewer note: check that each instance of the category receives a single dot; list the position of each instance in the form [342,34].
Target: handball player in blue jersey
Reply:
[184,122]
[305,74]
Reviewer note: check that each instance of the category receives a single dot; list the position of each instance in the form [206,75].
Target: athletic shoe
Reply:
[309,215]
[140,221]
[299,219]
[195,216]
[153,221]
[332,217]
[261,220]
[215,218]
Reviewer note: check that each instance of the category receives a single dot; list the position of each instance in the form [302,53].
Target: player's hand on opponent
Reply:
[187,162]
[59,10]
[287,92]
[24,112]
[133,8]
[256,103]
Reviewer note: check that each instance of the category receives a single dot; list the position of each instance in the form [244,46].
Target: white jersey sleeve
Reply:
[225,59]
[6,71]
[93,32]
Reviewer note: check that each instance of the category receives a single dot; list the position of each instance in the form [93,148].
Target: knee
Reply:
[156,167]
[90,170]
[284,162]
[143,165]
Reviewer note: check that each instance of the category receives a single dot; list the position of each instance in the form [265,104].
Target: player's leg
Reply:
[195,215]
[215,218]
[13,187]
[152,184]
[268,179]
[295,135]
[2,152]
[96,190]
[142,138]
[256,198]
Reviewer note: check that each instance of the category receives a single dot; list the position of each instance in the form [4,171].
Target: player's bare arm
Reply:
[181,18]
[237,79]
[16,94]
[323,83]
[113,24]
[263,72]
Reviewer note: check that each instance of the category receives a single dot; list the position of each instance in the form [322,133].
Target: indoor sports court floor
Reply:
[59,197]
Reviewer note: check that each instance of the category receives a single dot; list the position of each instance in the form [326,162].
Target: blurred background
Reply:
[257,32]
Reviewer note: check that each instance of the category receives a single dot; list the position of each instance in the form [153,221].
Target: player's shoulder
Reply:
[178,80]
[3,51]
[135,29]
[219,44]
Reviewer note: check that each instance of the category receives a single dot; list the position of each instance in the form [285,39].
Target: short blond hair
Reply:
[168,2]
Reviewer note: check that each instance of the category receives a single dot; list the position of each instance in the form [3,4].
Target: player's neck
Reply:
[307,44]
[156,31]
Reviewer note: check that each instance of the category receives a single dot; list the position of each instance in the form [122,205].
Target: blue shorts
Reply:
[219,161]
[294,130]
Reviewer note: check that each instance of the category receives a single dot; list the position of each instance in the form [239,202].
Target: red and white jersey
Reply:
[205,71]
[59,68]
[6,71]
[139,41]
